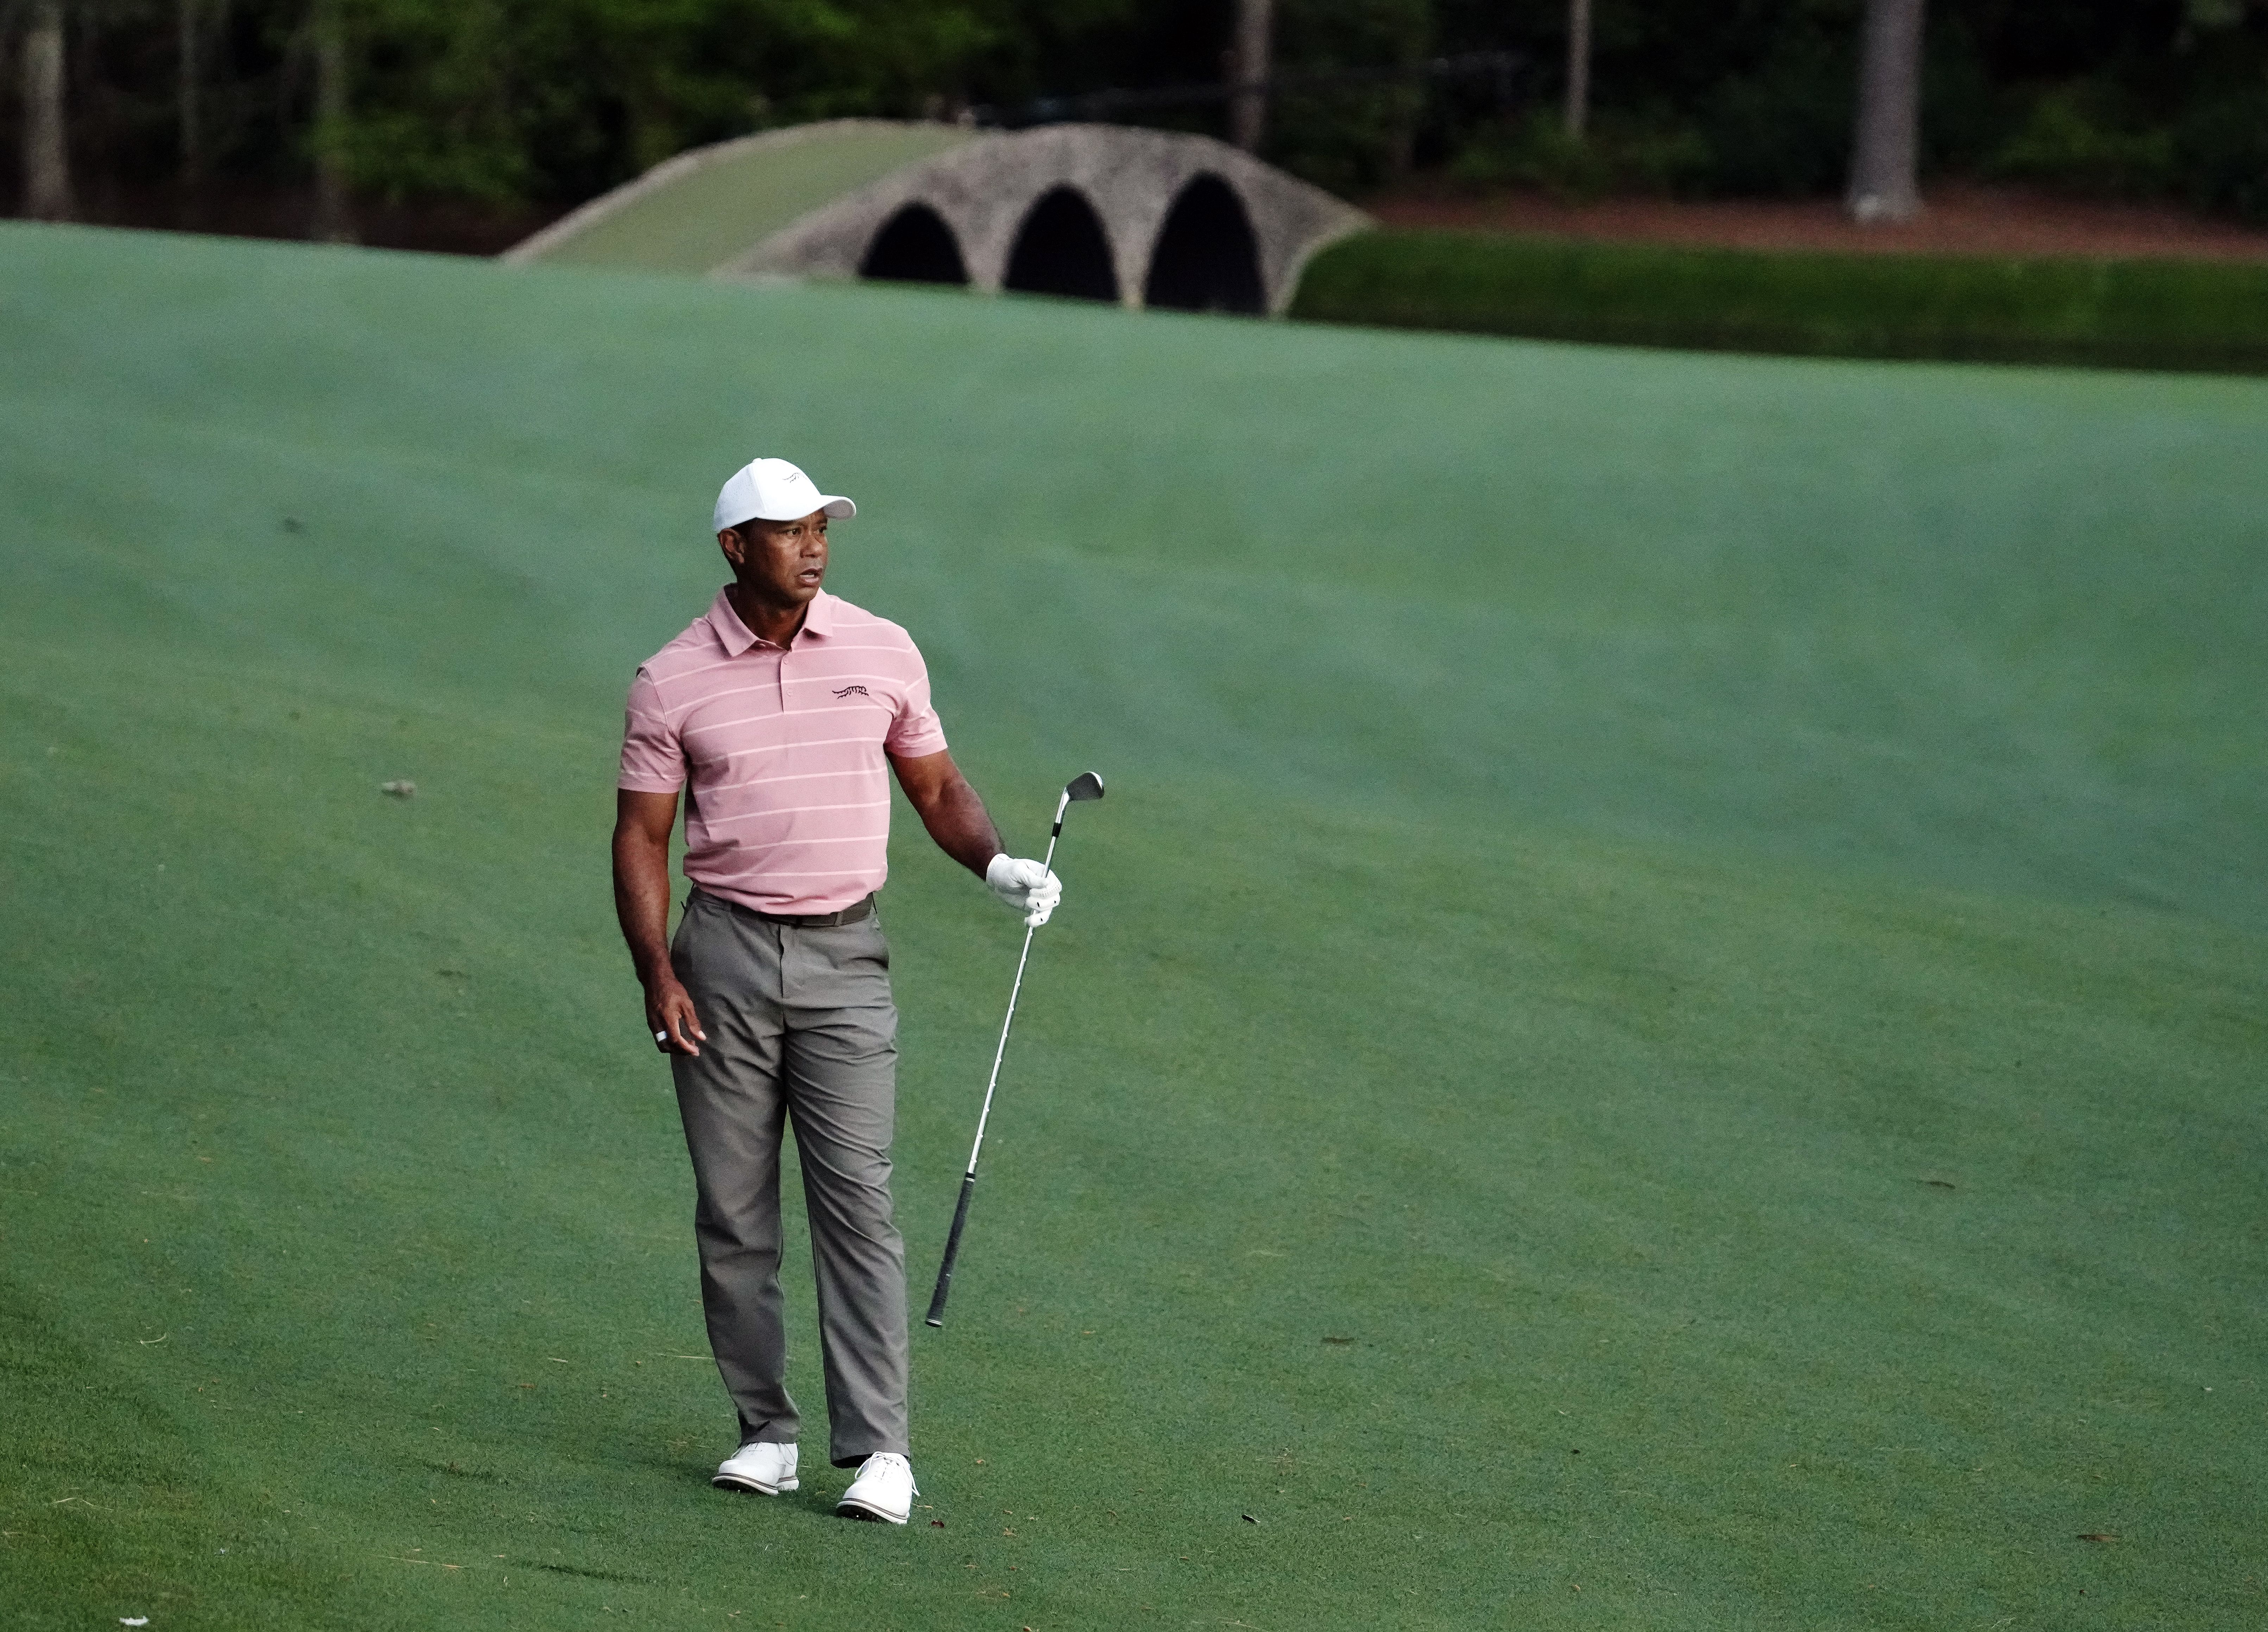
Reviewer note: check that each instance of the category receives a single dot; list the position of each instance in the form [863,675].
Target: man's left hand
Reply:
[1025,886]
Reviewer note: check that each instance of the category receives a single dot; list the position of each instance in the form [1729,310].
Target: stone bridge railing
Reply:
[1102,212]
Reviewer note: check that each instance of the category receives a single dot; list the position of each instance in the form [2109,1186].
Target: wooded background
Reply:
[327,112]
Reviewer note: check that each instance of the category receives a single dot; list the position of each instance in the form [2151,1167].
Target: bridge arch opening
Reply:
[915,247]
[1207,258]
[1061,249]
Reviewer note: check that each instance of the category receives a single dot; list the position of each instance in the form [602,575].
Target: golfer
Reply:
[780,713]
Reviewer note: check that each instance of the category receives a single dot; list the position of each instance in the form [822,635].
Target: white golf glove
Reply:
[1026,886]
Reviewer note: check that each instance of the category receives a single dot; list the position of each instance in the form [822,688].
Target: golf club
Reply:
[1086,785]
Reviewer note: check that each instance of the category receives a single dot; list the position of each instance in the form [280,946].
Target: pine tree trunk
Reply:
[189,97]
[1885,148]
[47,143]
[1579,67]
[1248,72]
[334,213]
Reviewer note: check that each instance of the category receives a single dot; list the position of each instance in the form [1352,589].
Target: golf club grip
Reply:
[936,1316]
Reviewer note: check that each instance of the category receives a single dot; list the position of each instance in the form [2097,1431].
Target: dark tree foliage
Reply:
[532,105]
[1755,96]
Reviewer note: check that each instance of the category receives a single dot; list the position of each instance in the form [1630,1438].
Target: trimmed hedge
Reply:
[2209,316]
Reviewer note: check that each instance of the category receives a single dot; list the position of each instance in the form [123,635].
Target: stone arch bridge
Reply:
[1100,212]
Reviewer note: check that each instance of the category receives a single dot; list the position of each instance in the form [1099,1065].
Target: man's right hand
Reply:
[669,1016]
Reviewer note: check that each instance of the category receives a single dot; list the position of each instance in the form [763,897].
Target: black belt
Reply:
[856,912]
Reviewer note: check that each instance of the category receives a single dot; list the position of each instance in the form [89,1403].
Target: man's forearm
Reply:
[642,902]
[957,820]
[642,828]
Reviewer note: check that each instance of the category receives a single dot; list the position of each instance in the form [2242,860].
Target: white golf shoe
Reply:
[766,1470]
[884,1490]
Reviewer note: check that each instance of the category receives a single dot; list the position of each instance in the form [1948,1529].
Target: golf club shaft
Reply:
[936,1316]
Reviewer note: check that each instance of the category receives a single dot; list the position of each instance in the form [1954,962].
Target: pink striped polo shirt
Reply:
[790,807]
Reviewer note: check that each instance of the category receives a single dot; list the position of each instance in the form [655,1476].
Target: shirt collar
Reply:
[735,637]
[819,617]
[731,634]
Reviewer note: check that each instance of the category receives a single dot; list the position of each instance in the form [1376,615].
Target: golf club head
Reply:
[1086,785]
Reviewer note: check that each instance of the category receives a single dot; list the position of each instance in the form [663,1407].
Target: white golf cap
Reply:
[772,489]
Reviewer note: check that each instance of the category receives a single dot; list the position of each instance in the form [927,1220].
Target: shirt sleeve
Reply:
[917,730]
[653,760]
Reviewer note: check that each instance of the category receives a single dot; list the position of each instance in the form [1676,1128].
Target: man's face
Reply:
[782,561]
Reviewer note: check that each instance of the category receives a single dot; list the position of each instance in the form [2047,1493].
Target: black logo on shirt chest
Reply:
[853,690]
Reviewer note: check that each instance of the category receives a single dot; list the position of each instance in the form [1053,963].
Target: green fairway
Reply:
[1663,1027]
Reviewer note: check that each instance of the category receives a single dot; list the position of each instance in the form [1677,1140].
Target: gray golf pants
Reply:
[801,1029]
